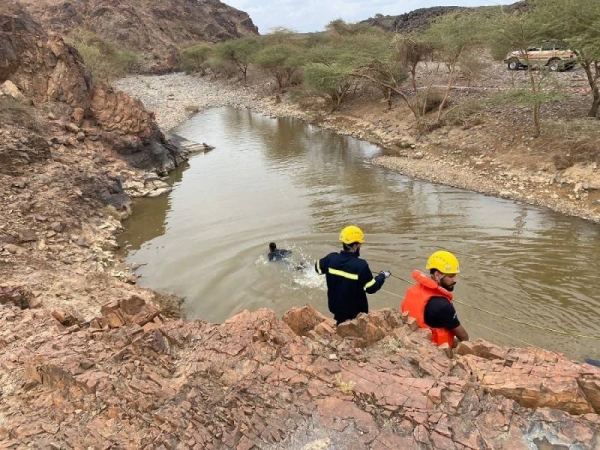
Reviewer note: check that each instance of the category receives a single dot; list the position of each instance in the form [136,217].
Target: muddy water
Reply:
[284,181]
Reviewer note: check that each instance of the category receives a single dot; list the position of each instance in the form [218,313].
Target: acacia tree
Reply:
[349,46]
[517,32]
[578,23]
[410,51]
[239,52]
[332,80]
[451,37]
[281,61]
[194,58]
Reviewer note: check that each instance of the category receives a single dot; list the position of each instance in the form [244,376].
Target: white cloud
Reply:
[313,15]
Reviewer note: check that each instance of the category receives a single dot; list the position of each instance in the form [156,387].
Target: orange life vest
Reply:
[416,299]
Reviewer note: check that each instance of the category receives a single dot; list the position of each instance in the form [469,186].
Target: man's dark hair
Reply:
[272,246]
[347,247]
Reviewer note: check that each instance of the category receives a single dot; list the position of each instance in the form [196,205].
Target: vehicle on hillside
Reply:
[552,54]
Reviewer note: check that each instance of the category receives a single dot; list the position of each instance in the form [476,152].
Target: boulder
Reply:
[19,296]
[304,319]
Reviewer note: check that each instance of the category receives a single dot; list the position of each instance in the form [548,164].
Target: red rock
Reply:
[304,319]
[209,386]
[133,305]
[435,395]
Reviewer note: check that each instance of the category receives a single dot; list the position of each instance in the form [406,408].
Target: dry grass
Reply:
[390,346]
[580,136]
[103,57]
[466,114]
[346,387]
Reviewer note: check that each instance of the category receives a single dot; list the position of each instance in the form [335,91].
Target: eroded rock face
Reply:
[252,382]
[47,71]
[532,377]
[153,29]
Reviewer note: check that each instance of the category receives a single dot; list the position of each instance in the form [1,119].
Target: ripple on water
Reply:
[283,181]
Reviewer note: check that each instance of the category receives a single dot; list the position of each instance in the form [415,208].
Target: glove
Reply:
[385,273]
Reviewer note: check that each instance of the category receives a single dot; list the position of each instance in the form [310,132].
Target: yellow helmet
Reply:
[352,234]
[444,261]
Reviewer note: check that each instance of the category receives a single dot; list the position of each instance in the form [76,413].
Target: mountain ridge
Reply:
[418,19]
[152,29]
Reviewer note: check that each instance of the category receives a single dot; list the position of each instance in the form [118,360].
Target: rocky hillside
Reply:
[153,30]
[419,19]
[129,379]
[69,149]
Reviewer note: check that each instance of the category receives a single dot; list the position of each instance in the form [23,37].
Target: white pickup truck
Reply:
[554,55]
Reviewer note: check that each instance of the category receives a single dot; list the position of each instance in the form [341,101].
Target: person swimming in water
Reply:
[276,254]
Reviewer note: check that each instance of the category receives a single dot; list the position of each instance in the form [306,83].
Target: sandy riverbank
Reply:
[479,158]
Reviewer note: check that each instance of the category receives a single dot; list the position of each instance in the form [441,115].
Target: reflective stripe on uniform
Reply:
[318,265]
[369,284]
[341,273]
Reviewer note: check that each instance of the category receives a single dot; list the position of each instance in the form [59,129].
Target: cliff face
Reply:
[152,29]
[44,72]
[69,149]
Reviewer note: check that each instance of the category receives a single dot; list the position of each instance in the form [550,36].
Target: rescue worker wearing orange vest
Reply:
[430,300]
[349,278]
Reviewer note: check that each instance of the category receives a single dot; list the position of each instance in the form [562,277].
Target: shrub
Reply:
[346,387]
[220,68]
[466,114]
[104,58]
[193,59]
[426,101]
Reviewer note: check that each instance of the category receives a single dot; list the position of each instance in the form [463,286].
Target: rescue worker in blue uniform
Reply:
[349,278]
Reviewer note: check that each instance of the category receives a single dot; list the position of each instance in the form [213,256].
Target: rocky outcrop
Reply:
[133,380]
[152,29]
[71,153]
[47,71]
[419,19]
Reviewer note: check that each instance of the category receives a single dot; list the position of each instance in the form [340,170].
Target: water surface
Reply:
[285,181]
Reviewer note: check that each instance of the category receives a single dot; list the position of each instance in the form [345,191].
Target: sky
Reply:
[313,15]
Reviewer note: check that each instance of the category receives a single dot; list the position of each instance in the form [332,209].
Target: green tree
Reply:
[578,23]
[332,80]
[409,52]
[239,52]
[451,37]
[331,65]
[193,59]
[281,61]
[517,32]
